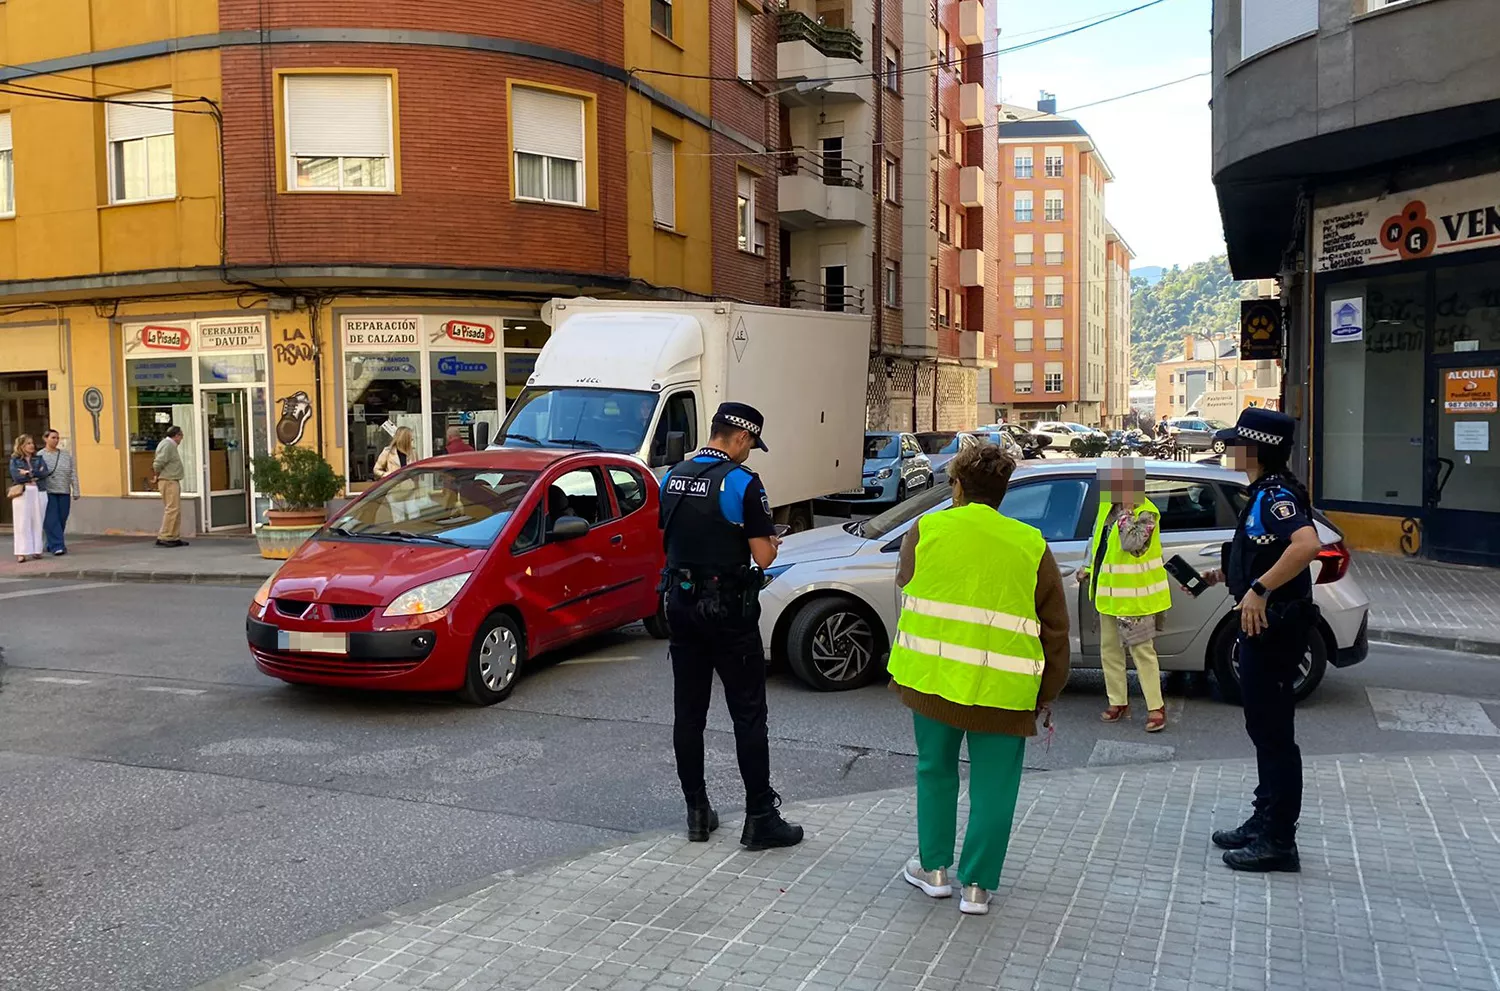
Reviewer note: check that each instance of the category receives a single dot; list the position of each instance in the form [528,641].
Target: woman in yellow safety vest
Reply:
[1128,583]
[981,651]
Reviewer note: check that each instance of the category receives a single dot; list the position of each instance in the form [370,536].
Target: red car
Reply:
[449,574]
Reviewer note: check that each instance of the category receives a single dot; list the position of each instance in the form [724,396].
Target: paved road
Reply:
[170,814]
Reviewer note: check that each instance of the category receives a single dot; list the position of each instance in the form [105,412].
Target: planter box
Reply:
[277,543]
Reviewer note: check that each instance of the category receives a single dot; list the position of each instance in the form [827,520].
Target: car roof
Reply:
[1084,467]
[521,458]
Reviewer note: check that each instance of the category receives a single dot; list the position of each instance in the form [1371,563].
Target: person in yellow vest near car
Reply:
[981,650]
[1127,581]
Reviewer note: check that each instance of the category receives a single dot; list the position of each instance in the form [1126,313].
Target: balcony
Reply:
[802,295]
[818,191]
[971,351]
[971,22]
[971,104]
[971,267]
[839,43]
[971,185]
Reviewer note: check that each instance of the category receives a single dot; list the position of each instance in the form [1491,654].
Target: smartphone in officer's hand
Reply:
[1187,576]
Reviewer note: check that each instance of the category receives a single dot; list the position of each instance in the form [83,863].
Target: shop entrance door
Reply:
[1461,493]
[23,410]
[226,459]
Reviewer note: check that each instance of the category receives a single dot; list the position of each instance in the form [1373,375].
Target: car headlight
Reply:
[882,474]
[771,574]
[263,594]
[427,598]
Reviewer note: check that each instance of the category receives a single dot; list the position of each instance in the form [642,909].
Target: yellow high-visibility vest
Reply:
[969,631]
[1124,584]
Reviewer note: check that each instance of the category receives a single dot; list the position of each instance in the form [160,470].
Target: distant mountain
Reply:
[1200,298]
[1150,273]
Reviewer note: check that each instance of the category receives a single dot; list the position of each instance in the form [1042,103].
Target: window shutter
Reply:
[1023,244]
[546,123]
[1023,199]
[126,121]
[1054,285]
[338,116]
[747,185]
[1054,242]
[5,140]
[1053,368]
[1023,154]
[744,38]
[1023,330]
[1023,286]
[1023,371]
[664,180]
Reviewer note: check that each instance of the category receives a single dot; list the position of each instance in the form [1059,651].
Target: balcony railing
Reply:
[834,170]
[793,25]
[804,295]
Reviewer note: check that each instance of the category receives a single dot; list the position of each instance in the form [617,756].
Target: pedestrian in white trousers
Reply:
[29,506]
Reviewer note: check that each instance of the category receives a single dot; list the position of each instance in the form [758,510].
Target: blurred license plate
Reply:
[859,491]
[313,643]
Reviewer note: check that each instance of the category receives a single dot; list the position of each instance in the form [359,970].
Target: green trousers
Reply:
[994,781]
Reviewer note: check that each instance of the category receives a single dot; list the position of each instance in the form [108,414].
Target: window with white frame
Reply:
[892,180]
[745,211]
[1054,249]
[945,135]
[892,68]
[942,54]
[1023,249]
[762,231]
[1052,291]
[7,170]
[142,151]
[338,133]
[744,38]
[1022,293]
[1052,335]
[958,309]
[944,213]
[958,226]
[547,134]
[1022,377]
[1022,200]
[661,16]
[1054,161]
[1052,205]
[664,181]
[945,307]
[892,284]
[1021,330]
[1022,159]
[1052,373]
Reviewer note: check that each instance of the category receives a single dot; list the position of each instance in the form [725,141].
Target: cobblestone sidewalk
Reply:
[1444,606]
[1112,884]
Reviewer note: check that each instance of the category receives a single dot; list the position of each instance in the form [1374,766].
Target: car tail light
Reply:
[1334,559]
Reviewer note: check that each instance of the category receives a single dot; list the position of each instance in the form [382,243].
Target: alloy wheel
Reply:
[843,647]
[499,659]
[1304,666]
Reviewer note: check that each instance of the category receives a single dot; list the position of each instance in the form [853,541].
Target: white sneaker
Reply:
[974,900]
[934,884]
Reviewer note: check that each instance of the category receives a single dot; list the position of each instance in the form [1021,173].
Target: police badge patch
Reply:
[1284,510]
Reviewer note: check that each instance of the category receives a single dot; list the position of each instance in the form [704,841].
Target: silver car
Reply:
[1193,434]
[830,605]
[942,448]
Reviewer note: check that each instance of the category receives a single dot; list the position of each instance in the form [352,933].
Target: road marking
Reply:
[601,660]
[65,681]
[1429,712]
[1122,752]
[176,691]
[24,593]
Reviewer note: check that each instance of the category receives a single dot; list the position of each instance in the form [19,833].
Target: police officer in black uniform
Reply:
[717,529]
[1266,569]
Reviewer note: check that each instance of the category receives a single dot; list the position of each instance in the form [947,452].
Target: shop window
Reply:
[159,394]
[7,170]
[465,393]
[547,134]
[142,151]
[338,133]
[1468,309]
[1372,389]
[383,392]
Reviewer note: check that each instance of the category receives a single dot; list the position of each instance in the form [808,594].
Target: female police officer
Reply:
[1266,569]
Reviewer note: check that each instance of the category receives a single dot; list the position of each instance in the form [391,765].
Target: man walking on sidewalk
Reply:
[62,488]
[167,472]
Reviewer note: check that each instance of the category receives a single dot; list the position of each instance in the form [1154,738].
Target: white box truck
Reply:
[644,378]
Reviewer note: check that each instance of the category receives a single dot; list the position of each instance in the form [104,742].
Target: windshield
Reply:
[466,506]
[567,416]
[878,526]
[881,446]
[1078,428]
[938,443]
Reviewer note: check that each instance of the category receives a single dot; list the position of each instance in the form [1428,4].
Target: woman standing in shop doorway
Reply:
[397,455]
[27,469]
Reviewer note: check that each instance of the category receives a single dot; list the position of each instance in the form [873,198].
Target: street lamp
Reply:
[1214,342]
[805,87]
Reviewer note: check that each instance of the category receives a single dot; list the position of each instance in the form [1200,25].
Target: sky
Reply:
[1157,144]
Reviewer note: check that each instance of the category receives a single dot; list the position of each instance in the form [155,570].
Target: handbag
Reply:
[1136,630]
[15,492]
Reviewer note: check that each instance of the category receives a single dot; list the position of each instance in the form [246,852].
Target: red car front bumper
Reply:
[426,658]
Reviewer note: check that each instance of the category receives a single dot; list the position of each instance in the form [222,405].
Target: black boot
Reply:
[1242,835]
[1267,852]
[764,827]
[701,817]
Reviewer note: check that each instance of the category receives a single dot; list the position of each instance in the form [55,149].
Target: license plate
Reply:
[312,643]
[854,492]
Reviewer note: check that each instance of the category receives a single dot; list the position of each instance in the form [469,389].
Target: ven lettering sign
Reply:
[1419,223]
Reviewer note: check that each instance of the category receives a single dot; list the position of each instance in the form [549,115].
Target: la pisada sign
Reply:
[166,338]
[1419,223]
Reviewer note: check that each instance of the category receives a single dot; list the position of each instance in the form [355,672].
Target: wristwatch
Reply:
[1258,588]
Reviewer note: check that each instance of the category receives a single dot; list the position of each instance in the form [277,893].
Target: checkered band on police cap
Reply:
[1259,436]
[739,421]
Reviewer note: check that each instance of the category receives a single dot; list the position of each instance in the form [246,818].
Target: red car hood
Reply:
[367,572]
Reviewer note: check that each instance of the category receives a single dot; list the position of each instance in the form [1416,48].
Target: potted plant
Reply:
[300,485]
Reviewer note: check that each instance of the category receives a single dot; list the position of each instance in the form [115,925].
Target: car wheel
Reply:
[1218,447]
[656,624]
[901,493]
[495,661]
[1311,667]
[833,646]
[799,519]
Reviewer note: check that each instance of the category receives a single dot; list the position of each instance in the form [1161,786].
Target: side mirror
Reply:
[676,447]
[481,436]
[569,528]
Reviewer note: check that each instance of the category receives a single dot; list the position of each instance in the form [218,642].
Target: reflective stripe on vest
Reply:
[969,631]
[1126,585]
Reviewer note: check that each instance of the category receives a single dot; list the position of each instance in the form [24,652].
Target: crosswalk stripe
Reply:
[65,681]
[175,691]
[26,592]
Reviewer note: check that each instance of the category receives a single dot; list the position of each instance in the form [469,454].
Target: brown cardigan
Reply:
[1051,610]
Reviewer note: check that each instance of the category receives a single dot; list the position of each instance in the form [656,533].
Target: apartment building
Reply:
[1210,380]
[269,222]
[1062,274]
[885,105]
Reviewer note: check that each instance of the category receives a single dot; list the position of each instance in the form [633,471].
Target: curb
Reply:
[136,576]
[1437,641]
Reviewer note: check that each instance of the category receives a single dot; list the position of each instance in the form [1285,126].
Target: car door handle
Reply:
[1212,550]
[1066,570]
[617,539]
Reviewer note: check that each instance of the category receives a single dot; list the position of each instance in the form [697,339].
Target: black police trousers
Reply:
[1268,671]
[733,649]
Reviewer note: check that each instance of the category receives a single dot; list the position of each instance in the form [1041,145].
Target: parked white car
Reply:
[830,605]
